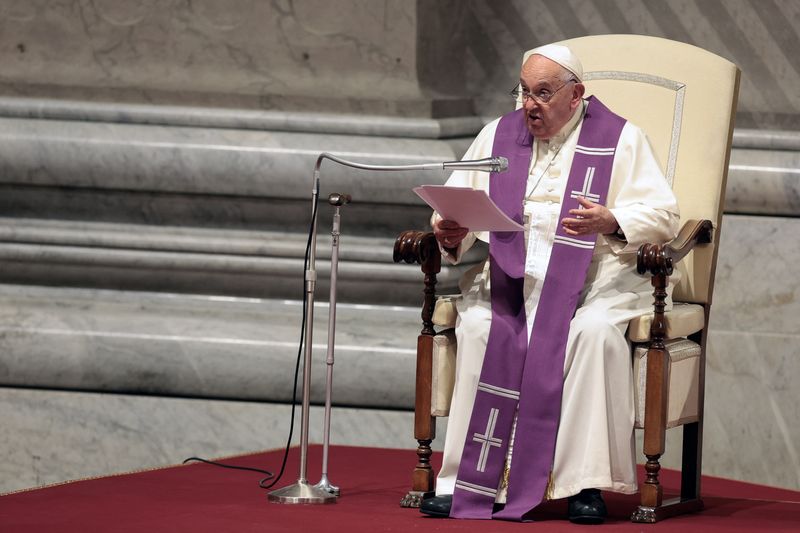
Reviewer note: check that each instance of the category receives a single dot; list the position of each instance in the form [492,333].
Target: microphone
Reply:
[489,164]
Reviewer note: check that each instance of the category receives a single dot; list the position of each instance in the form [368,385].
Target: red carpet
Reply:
[201,498]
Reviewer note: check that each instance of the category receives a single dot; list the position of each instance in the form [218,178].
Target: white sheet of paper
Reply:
[471,208]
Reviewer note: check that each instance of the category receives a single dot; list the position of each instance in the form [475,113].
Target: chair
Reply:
[685,99]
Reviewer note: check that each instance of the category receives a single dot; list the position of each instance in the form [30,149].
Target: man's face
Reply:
[542,75]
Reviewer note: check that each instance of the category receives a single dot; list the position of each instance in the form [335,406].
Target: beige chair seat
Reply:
[683,395]
[683,320]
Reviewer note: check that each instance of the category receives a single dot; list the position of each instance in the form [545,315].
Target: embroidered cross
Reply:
[487,440]
[587,187]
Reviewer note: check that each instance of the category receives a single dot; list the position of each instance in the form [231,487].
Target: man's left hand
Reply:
[593,218]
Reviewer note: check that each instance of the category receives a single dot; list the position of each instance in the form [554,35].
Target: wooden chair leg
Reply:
[692,453]
[655,410]
[424,426]
[654,434]
[653,508]
[690,462]
[691,467]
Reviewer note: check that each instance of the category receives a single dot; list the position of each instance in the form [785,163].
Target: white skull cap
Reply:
[563,56]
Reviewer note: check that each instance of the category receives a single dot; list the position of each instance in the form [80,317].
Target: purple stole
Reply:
[518,375]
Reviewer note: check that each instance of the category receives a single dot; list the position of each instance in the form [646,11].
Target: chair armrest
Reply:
[418,247]
[657,259]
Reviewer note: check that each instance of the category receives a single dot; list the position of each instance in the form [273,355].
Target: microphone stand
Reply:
[336,200]
[301,491]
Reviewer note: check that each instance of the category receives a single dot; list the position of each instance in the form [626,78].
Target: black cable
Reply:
[300,347]
[270,475]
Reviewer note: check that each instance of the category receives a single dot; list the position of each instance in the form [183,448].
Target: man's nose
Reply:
[530,104]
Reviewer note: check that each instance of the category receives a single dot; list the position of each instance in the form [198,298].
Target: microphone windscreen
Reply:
[339,199]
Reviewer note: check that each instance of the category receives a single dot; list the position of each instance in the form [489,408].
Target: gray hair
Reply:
[566,76]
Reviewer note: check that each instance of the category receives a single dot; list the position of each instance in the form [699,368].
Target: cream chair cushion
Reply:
[683,320]
[683,371]
[682,383]
[445,312]
[444,372]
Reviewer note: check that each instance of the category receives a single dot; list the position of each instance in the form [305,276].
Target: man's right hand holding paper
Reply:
[449,233]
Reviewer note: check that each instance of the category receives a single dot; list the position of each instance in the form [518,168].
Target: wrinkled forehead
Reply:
[538,70]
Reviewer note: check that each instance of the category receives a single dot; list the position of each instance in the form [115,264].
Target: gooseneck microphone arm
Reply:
[489,164]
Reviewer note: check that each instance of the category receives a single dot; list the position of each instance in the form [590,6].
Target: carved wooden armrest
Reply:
[660,258]
[417,247]
[420,247]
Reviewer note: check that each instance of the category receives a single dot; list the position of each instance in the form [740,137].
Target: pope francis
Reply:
[543,401]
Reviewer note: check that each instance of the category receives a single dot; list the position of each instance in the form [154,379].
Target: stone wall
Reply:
[355,56]
[757,35]
[432,58]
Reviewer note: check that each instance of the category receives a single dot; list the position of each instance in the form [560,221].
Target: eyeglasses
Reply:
[543,96]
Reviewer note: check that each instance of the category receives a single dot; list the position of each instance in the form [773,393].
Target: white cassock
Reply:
[594,446]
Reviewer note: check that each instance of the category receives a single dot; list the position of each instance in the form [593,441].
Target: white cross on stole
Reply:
[487,440]
[587,188]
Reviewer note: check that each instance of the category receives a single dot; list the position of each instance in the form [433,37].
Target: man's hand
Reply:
[593,218]
[449,233]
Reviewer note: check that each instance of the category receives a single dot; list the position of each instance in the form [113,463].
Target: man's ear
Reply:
[579,90]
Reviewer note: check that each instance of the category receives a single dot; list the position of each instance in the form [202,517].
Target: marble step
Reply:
[213,161]
[207,210]
[206,261]
[187,239]
[201,346]
[237,118]
[763,179]
[239,175]
[215,174]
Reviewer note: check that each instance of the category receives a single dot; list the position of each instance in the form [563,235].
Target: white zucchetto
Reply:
[563,56]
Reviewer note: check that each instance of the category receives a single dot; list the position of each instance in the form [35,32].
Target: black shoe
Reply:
[587,507]
[438,506]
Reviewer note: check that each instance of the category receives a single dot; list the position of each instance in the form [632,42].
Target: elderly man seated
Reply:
[543,400]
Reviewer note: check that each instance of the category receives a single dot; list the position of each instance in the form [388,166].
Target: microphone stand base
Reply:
[325,484]
[301,492]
